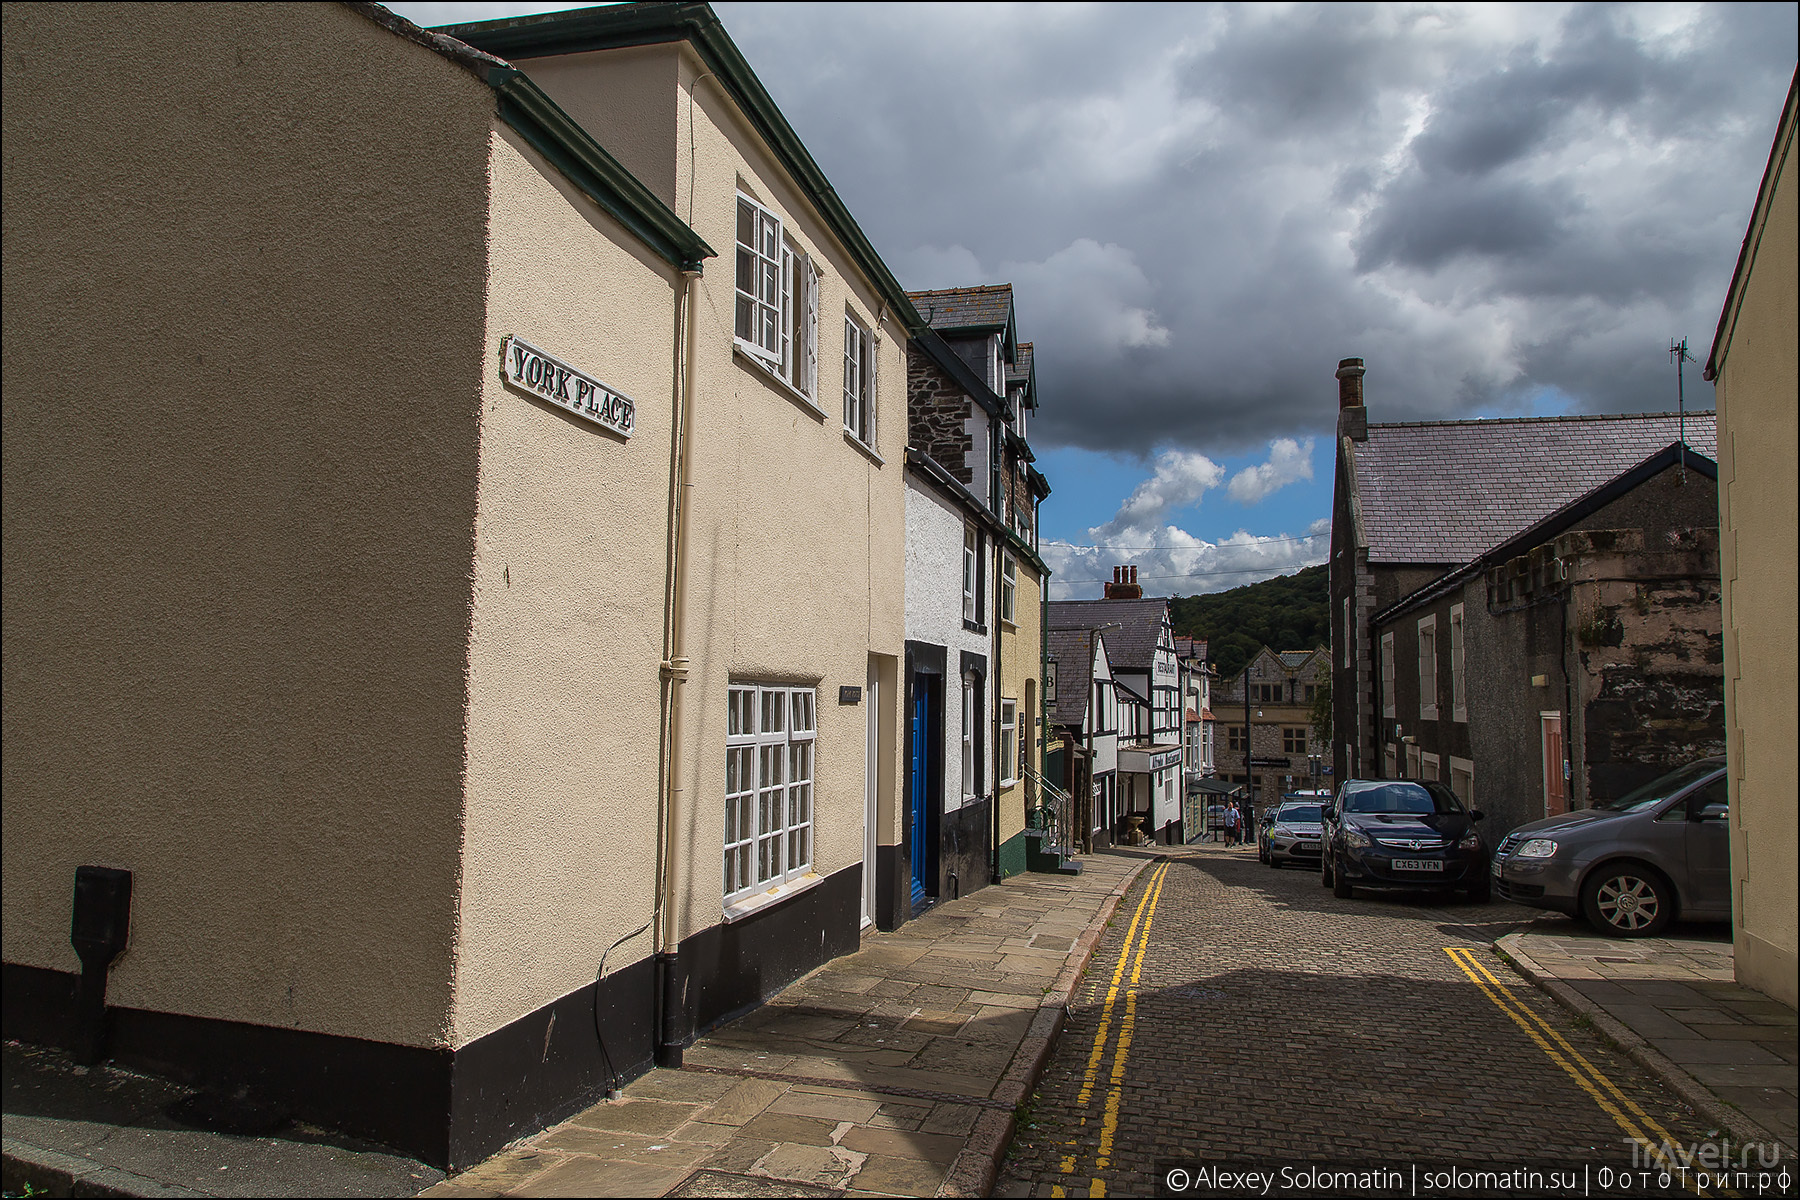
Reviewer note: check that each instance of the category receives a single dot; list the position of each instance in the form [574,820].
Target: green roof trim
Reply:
[620,25]
[571,150]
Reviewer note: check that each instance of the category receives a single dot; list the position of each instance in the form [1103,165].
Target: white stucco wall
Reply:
[570,556]
[934,613]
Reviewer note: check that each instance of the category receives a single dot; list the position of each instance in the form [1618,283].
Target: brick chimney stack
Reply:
[1353,418]
[1124,585]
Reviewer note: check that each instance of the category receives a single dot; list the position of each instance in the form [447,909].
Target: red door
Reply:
[1556,791]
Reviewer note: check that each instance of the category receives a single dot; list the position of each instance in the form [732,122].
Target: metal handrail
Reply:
[1059,812]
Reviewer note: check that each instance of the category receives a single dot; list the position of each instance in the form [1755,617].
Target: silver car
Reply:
[1629,865]
[1294,834]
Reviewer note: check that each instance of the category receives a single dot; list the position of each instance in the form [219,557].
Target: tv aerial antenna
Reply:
[1678,354]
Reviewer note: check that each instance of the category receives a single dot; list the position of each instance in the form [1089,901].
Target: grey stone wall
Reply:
[936,412]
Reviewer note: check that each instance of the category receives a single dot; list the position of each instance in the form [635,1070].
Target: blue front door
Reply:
[919,793]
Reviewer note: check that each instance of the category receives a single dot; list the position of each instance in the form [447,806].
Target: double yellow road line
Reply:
[1624,1111]
[1137,943]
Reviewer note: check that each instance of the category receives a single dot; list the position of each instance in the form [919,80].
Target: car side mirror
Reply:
[1478,815]
[1712,812]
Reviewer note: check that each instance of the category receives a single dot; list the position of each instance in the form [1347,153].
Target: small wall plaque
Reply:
[849,695]
[530,370]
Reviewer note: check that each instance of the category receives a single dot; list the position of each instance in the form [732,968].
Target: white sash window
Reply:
[777,303]
[769,738]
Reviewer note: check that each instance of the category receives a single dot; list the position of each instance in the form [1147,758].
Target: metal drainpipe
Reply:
[994,503]
[669,996]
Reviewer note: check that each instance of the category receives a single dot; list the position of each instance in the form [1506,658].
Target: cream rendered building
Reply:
[1755,371]
[462,597]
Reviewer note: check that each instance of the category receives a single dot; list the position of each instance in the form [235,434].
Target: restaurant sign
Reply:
[529,369]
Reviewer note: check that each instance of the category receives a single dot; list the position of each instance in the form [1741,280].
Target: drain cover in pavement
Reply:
[1197,993]
[724,1183]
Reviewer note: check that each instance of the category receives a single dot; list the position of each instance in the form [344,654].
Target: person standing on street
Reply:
[1231,826]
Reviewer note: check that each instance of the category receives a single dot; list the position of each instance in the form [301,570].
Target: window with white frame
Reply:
[971,713]
[1462,780]
[1009,586]
[1009,741]
[971,574]
[1428,766]
[777,312]
[1428,664]
[769,736]
[859,381]
[1459,688]
[1387,675]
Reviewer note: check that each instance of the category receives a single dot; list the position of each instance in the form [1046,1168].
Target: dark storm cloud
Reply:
[1203,208]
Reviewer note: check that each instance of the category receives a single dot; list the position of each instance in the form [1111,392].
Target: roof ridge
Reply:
[973,287]
[1699,412]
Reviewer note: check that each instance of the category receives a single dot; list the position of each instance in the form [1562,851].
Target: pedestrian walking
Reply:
[1231,826]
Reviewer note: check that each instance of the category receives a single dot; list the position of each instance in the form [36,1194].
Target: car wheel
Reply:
[1325,871]
[1340,886]
[1628,900]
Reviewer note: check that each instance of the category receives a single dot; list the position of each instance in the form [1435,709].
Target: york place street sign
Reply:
[529,369]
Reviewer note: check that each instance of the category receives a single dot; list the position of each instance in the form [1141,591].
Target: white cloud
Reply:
[1289,462]
[1181,478]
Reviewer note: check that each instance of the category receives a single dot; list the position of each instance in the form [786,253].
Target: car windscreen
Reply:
[1299,814]
[1407,798]
[1660,789]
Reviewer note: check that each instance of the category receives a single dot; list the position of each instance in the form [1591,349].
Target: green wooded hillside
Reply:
[1292,612]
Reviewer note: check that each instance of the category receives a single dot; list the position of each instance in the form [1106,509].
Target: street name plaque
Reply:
[530,370]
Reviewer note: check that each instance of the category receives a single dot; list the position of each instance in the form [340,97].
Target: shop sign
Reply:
[532,371]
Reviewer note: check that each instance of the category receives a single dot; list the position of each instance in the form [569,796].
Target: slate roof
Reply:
[988,307]
[1020,371]
[1074,673]
[1294,659]
[1189,647]
[1446,491]
[1132,646]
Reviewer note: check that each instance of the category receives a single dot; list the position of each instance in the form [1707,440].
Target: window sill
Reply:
[752,905]
[865,448]
[770,376]
[1428,714]
[974,626]
[1462,715]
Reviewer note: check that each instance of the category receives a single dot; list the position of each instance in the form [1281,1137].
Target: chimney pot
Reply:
[1350,388]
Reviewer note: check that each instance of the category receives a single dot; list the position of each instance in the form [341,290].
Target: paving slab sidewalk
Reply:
[1672,1004]
[891,1071]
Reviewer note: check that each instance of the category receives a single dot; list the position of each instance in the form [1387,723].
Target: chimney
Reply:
[1124,585]
[1353,418]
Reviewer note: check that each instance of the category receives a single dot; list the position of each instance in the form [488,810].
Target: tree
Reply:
[1320,714]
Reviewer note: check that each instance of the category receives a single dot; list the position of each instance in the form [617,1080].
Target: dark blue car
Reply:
[1402,834]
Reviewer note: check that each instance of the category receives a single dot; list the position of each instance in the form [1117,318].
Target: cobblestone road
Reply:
[1265,1020]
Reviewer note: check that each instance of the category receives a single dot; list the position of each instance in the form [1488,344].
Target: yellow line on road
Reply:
[1146,902]
[1110,1126]
[1562,1053]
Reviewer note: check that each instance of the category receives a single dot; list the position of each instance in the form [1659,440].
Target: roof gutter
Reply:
[618,26]
[571,150]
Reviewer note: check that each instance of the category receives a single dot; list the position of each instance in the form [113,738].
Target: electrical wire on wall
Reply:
[612,1074]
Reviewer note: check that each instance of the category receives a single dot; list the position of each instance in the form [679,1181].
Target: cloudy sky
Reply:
[1504,209]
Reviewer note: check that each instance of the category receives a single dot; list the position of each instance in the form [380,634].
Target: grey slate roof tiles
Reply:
[1446,491]
[966,307]
[1071,648]
[1132,646]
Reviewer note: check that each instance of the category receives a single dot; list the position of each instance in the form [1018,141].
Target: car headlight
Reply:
[1356,838]
[1538,848]
[1470,841]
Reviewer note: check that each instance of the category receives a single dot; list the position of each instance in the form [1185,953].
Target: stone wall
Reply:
[936,414]
[1647,652]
